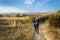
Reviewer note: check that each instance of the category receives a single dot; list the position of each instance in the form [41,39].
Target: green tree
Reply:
[57,14]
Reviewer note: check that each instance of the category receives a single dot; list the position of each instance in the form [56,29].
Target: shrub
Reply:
[54,19]
[18,15]
[24,15]
[57,14]
[26,21]
[1,15]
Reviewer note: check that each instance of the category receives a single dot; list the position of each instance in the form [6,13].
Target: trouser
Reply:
[37,28]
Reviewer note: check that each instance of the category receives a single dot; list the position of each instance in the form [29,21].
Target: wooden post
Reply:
[14,23]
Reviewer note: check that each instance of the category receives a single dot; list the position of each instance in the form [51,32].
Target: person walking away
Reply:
[37,19]
[36,22]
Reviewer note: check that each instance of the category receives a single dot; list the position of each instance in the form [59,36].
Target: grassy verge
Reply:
[24,32]
[51,33]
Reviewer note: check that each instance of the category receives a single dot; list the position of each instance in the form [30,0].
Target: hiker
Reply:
[36,22]
[37,19]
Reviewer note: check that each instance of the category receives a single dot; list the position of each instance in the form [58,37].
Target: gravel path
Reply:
[39,36]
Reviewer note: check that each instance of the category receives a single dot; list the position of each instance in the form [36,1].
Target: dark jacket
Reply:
[37,19]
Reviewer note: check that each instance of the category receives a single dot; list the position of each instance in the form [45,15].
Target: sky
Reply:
[22,6]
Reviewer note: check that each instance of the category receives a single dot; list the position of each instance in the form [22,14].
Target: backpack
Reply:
[37,19]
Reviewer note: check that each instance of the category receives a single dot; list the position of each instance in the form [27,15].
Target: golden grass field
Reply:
[24,30]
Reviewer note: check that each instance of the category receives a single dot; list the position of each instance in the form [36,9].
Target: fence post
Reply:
[14,23]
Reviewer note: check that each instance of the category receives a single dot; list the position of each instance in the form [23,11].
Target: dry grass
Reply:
[51,33]
[21,32]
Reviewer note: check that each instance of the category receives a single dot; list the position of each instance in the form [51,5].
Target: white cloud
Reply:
[42,2]
[7,9]
[29,2]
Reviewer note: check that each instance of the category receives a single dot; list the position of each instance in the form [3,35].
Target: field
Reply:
[22,27]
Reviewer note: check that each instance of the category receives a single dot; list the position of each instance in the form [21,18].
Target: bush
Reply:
[18,15]
[1,15]
[24,15]
[54,19]
[26,21]
[57,14]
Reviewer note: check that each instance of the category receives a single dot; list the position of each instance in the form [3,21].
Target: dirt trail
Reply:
[39,36]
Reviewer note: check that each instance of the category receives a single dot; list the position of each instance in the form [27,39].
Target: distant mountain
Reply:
[26,13]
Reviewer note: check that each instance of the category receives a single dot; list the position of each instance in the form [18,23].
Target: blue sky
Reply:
[7,6]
